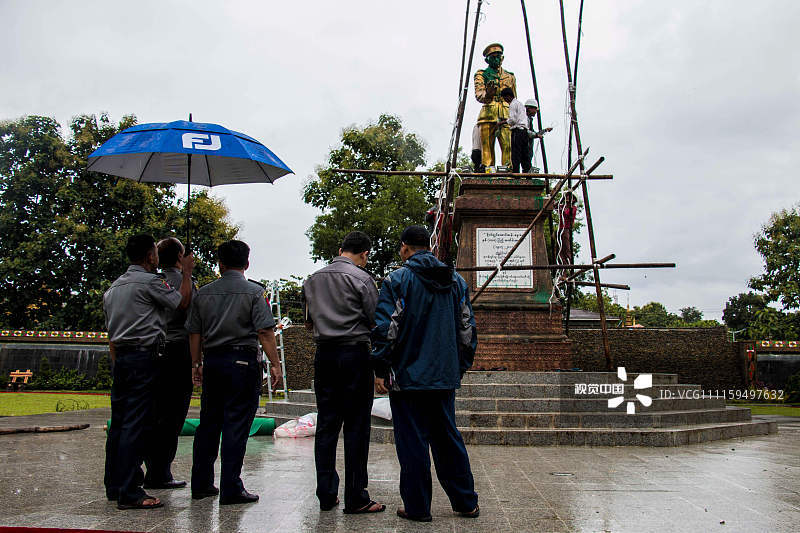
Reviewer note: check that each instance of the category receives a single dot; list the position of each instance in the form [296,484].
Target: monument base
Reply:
[529,339]
[518,327]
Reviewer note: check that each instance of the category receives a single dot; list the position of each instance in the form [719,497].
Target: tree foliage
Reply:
[63,229]
[740,312]
[778,242]
[651,315]
[588,301]
[291,297]
[691,314]
[772,324]
[380,206]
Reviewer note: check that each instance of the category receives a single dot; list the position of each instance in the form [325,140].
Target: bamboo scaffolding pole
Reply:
[587,208]
[466,174]
[551,254]
[604,285]
[464,49]
[580,268]
[443,248]
[569,162]
[547,206]
[589,267]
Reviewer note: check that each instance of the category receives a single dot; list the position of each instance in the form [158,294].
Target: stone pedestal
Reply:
[518,327]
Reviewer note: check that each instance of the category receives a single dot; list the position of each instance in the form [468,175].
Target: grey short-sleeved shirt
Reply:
[229,312]
[176,321]
[136,307]
[340,301]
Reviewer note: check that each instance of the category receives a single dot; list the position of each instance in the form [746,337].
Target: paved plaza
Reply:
[739,485]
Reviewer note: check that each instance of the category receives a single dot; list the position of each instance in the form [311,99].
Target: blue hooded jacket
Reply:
[425,337]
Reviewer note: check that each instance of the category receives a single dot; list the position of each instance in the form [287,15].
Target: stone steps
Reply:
[542,408]
[540,405]
[496,419]
[524,405]
[601,420]
[539,391]
[558,378]
[673,436]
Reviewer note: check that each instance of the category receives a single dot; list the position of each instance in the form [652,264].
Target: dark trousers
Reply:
[173,391]
[344,386]
[423,420]
[231,385]
[131,424]
[521,152]
[477,164]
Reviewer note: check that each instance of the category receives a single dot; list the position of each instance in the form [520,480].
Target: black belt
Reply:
[225,350]
[343,342]
[135,348]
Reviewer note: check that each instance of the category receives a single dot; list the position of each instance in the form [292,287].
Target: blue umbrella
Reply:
[187,152]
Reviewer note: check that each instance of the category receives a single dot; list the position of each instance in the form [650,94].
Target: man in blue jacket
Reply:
[423,342]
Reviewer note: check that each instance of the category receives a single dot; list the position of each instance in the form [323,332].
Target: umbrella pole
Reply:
[188,204]
[188,198]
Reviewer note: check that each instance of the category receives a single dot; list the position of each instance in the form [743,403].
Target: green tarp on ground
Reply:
[261,426]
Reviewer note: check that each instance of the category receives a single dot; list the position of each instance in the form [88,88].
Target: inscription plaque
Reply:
[492,246]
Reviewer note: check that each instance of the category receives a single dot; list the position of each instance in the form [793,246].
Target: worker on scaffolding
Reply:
[520,120]
[567,210]
[489,83]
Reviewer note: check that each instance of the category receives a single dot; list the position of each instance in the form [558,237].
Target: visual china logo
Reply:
[201,141]
[642,381]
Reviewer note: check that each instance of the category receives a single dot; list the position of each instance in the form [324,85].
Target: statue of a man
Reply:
[494,113]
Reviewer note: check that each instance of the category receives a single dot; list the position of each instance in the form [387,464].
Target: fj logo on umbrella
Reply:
[201,141]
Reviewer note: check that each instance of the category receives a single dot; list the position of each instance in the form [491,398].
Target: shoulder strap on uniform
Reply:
[257,283]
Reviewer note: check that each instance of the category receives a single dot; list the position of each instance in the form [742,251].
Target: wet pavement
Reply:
[739,485]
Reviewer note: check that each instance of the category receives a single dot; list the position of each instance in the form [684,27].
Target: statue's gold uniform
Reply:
[487,92]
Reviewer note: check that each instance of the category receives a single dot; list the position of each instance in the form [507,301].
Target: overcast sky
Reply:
[694,105]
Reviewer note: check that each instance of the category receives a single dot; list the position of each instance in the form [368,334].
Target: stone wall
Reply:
[24,356]
[702,356]
[298,348]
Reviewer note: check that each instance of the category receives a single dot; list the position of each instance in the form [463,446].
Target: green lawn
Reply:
[770,409]
[35,403]
[29,403]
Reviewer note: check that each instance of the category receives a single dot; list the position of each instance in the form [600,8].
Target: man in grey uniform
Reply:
[340,304]
[136,307]
[173,390]
[229,317]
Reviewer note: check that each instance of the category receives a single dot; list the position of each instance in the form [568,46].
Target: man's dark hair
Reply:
[168,251]
[356,242]
[416,237]
[233,254]
[138,246]
[507,91]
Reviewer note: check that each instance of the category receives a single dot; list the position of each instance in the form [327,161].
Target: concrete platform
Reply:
[54,480]
[544,409]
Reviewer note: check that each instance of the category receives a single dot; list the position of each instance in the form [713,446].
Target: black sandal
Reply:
[403,514]
[329,506]
[367,509]
[139,504]
[475,513]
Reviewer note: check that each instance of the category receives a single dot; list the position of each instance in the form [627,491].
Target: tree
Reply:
[772,324]
[691,314]
[654,315]
[778,242]
[380,206]
[63,229]
[291,297]
[588,302]
[740,312]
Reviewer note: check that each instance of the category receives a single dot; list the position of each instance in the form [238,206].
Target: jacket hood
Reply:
[434,274]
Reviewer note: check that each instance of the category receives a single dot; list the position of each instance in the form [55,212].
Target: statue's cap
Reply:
[492,48]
